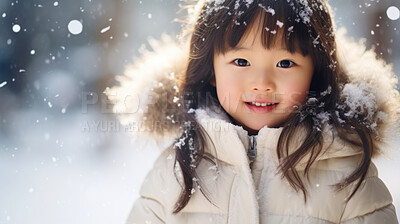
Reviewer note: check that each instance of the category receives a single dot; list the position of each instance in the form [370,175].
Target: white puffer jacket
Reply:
[237,194]
[260,195]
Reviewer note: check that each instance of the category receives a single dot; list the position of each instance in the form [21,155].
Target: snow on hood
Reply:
[372,87]
[146,95]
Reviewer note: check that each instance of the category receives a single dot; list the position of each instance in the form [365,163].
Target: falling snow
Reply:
[268,10]
[3,84]
[16,28]
[279,23]
[105,29]
[55,50]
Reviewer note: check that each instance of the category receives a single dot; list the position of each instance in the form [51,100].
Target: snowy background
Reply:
[63,156]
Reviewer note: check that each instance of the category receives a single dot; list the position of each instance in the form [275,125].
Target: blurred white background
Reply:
[64,158]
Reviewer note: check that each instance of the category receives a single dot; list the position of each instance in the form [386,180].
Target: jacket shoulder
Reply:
[372,196]
[384,215]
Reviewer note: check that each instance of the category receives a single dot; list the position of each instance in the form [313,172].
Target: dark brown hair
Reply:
[219,27]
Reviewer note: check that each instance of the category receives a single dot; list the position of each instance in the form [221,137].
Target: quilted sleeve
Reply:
[146,210]
[372,203]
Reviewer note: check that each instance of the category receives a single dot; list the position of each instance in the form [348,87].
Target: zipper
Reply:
[252,153]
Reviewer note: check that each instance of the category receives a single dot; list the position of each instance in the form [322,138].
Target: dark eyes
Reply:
[285,64]
[282,64]
[241,62]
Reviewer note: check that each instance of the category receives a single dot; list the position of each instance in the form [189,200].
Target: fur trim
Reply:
[372,87]
[146,97]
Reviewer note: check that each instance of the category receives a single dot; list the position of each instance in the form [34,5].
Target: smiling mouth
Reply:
[260,104]
[263,107]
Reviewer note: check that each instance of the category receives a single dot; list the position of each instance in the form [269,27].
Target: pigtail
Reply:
[188,149]
[196,92]
[350,126]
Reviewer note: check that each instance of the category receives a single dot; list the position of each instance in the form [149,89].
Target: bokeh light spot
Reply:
[16,28]
[75,27]
[393,13]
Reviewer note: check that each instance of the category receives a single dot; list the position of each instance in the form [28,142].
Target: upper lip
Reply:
[260,101]
[261,98]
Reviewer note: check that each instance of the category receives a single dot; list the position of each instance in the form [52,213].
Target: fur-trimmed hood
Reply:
[146,96]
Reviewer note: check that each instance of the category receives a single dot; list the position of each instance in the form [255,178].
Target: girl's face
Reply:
[261,87]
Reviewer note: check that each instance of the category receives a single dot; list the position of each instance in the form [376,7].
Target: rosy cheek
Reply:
[228,93]
[297,95]
[298,98]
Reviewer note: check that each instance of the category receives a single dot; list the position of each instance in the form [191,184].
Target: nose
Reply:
[263,81]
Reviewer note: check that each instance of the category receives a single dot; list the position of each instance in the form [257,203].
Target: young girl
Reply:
[270,123]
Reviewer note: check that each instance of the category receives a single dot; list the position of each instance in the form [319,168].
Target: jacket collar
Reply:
[229,143]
